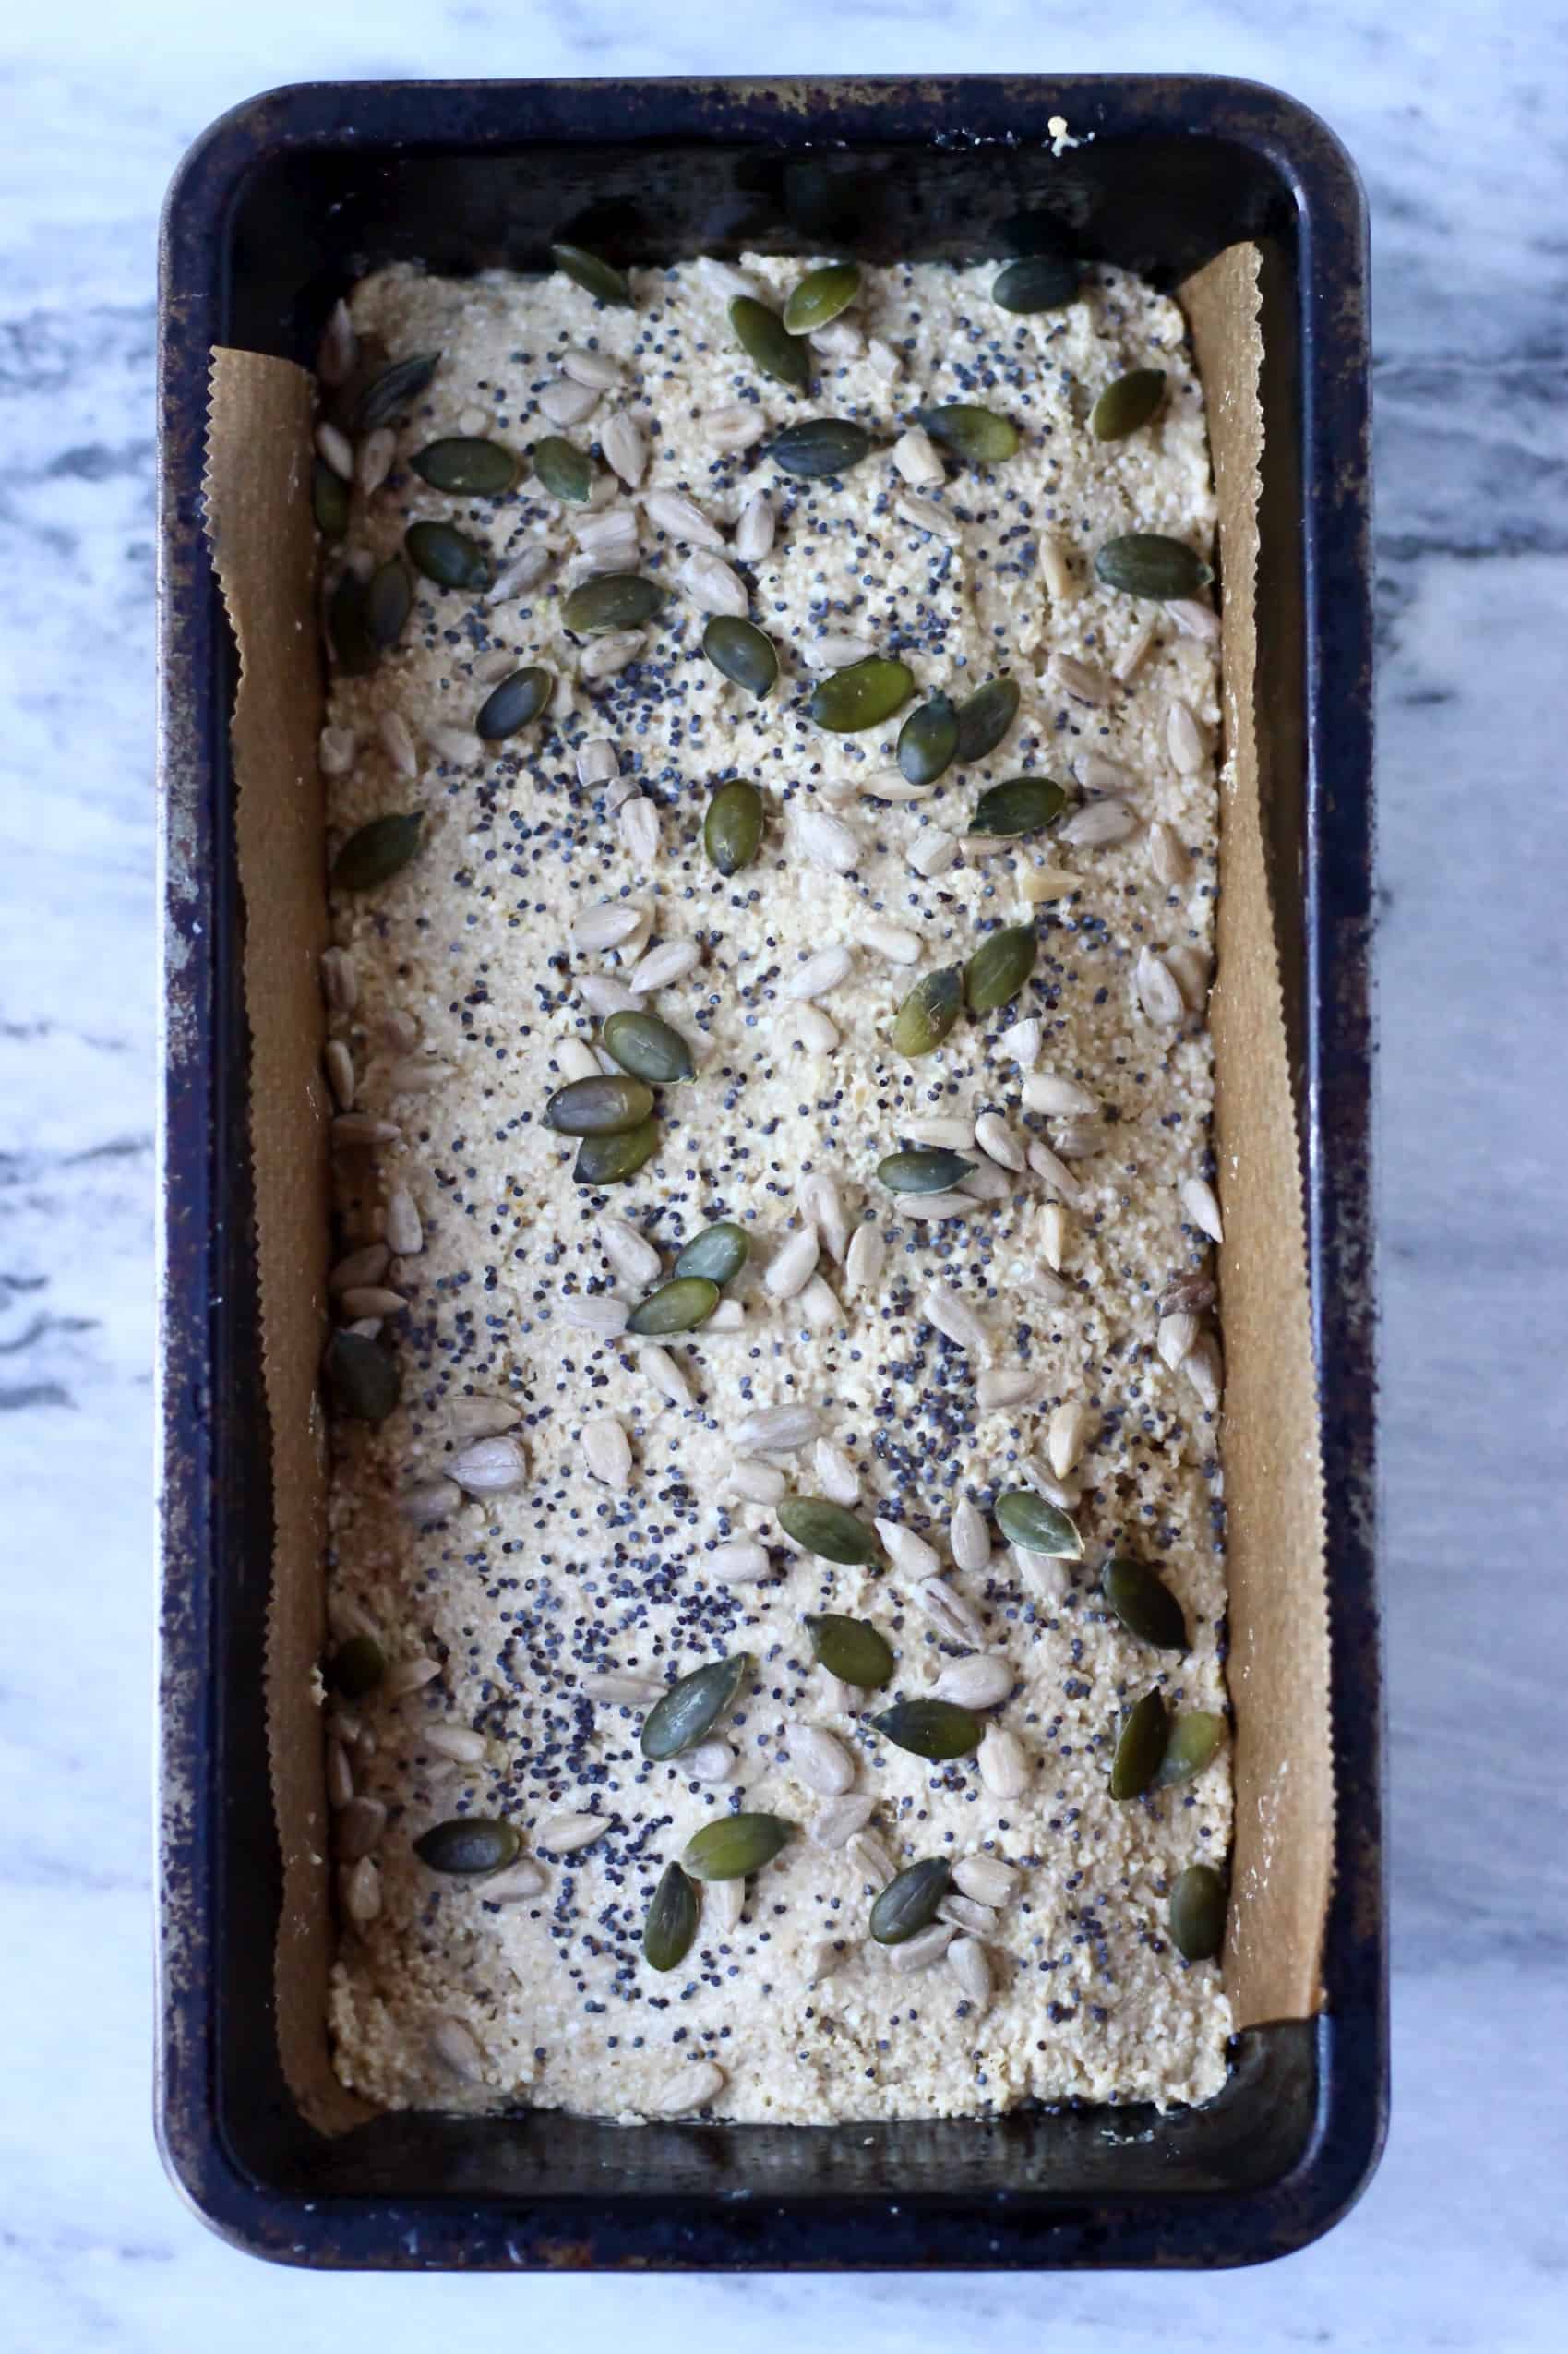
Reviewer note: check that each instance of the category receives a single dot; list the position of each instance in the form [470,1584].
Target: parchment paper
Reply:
[259,520]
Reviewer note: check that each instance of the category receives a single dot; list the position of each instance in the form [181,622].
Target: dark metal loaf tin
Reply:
[273,214]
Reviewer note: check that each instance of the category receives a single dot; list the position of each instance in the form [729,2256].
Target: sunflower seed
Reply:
[754,531]
[598,763]
[967,1959]
[1167,857]
[1157,993]
[941,1133]
[839,651]
[820,1762]
[363,1128]
[1080,1139]
[982,1681]
[827,841]
[923,1950]
[359,1829]
[565,402]
[820,973]
[1081,680]
[417,1075]
[869,1856]
[741,1562]
[934,852]
[490,1467]
[1008,1385]
[723,1902]
[340,1775]
[818,1305]
[690,2086]
[968,1536]
[1055,1172]
[1184,738]
[915,455]
[339,348]
[925,515]
[1055,568]
[481,1417]
[336,752]
[663,966]
[839,340]
[1204,1368]
[1198,1201]
[520,573]
[910,1555]
[368,1265]
[862,1260]
[1005,1765]
[606,925]
[836,1473]
[712,1761]
[1097,825]
[514,1885]
[1176,1338]
[596,368]
[428,1504]
[884,360]
[758,1482]
[732,428]
[337,1062]
[712,586]
[373,460]
[930,1209]
[608,538]
[986,1879]
[639,822]
[986,1183]
[1131,659]
[996,1139]
[457,1742]
[673,512]
[954,1617]
[1194,620]
[403,1229]
[724,281]
[1070,1429]
[666,1375]
[776,1430]
[955,1319]
[362,1891]
[1191,970]
[967,1913]
[406,1675]
[1097,773]
[609,654]
[836,1825]
[614,1684]
[606,1451]
[603,993]
[371,1300]
[822,1206]
[793,1263]
[626,452]
[728,1316]
[565,1834]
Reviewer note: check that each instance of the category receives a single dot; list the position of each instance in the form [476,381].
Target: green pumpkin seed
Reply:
[1197,1913]
[348,627]
[1026,1521]
[595,277]
[649,1048]
[929,1728]
[850,1649]
[1140,1747]
[688,1712]
[927,740]
[719,1253]
[768,343]
[357,1666]
[986,716]
[611,601]
[1131,401]
[1145,1606]
[909,1901]
[1148,564]
[931,1170]
[671,1921]
[1023,805]
[468,1844]
[468,466]
[564,470]
[978,436]
[1039,281]
[388,602]
[328,500]
[376,851]
[820,446]
[513,703]
[999,967]
[362,1378]
[742,651]
[393,392]
[602,1107]
[861,696]
[1195,1742]
[828,1529]
[676,1306]
[732,830]
[607,1161]
[449,557]
[735,1845]
[817,299]
[929,1013]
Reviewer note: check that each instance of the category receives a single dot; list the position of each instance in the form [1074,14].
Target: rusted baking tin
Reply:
[275,211]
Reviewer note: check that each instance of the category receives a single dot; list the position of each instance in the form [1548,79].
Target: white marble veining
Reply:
[1454,114]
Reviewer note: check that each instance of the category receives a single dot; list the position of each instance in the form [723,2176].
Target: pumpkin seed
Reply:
[690,1710]
[348,626]
[648,1047]
[1148,564]
[1140,1747]
[595,277]
[742,651]
[820,446]
[861,696]
[468,1844]
[735,1845]
[606,1159]
[930,1169]
[977,435]
[513,703]
[927,740]
[465,464]
[611,601]
[1028,1521]
[602,1107]
[732,831]
[1024,805]
[671,1921]
[358,1666]
[985,717]
[1194,1743]
[1037,281]
[929,1013]
[817,299]
[1197,1913]
[676,1306]
[929,1728]
[765,340]
[566,471]
[1145,1606]
[376,851]
[828,1529]
[718,1252]
[1131,401]
[909,1901]
[394,392]
[850,1649]
[388,601]
[328,500]
[999,967]
[362,1378]
[449,557]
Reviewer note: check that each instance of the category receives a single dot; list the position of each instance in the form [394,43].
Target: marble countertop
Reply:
[1454,115]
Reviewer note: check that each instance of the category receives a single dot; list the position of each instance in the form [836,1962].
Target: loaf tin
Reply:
[272,215]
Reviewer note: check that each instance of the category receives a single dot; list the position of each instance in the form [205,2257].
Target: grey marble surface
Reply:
[1455,116]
